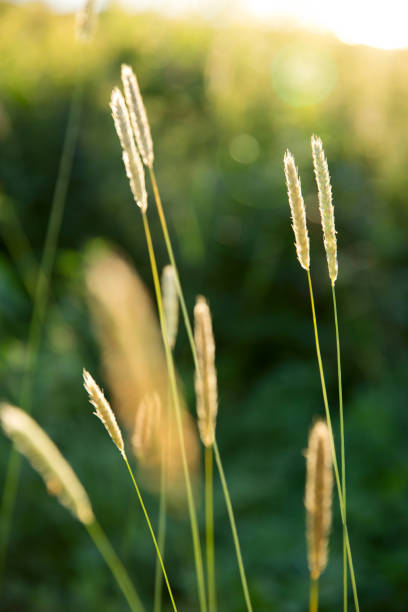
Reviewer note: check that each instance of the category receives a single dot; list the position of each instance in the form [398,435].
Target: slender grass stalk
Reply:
[209,529]
[175,399]
[40,304]
[314,595]
[335,464]
[159,556]
[115,565]
[196,364]
[342,448]
[233,526]
[161,538]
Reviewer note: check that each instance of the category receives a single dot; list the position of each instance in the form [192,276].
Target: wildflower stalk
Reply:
[39,308]
[335,464]
[188,327]
[176,403]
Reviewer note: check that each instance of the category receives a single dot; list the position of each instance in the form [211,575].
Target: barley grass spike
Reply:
[297,208]
[44,456]
[131,158]
[103,410]
[206,377]
[138,115]
[325,205]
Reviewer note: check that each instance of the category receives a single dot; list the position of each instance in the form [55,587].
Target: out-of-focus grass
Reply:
[224,103]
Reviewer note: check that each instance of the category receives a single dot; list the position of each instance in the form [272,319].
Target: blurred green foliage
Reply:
[224,102]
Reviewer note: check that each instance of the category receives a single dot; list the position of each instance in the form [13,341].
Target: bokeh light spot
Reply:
[244,149]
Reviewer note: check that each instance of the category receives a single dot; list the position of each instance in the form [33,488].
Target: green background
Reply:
[224,102]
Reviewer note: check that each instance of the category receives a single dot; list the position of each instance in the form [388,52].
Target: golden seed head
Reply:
[170,303]
[60,479]
[148,427]
[325,205]
[131,158]
[206,376]
[318,497]
[138,115]
[85,21]
[103,410]
[297,208]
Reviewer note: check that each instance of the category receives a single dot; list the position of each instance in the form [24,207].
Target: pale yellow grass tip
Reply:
[60,479]
[131,158]
[318,497]
[149,427]
[85,21]
[170,303]
[206,376]
[297,209]
[325,205]
[103,410]
[138,116]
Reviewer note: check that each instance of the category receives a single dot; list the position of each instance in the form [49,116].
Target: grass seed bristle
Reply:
[325,205]
[138,116]
[103,410]
[318,497]
[206,376]
[131,158]
[297,208]
[60,479]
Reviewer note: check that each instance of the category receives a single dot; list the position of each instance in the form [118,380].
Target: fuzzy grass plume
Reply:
[206,376]
[138,115]
[60,479]
[147,432]
[103,410]
[170,303]
[297,208]
[318,497]
[325,205]
[131,158]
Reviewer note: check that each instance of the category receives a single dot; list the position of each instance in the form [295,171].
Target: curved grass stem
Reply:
[115,565]
[175,399]
[335,464]
[39,308]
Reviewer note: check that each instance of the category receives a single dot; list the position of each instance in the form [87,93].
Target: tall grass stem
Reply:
[233,527]
[335,464]
[161,538]
[39,307]
[115,565]
[314,595]
[175,399]
[209,528]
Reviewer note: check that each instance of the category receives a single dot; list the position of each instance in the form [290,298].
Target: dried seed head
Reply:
[131,158]
[147,433]
[85,21]
[170,303]
[60,479]
[103,410]
[138,115]
[297,208]
[206,376]
[318,497]
[325,205]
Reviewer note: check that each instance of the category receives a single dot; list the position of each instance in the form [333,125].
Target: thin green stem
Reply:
[314,595]
[40,304]
[194,354]
[173,387]
[161,538]
[233,526]
[329,425]
[209,528]
[151,532]
[342,446]
[115,565]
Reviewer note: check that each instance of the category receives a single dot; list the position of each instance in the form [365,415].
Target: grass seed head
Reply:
[170,303]
[85,21]
[131,158]
[138,115]
[147,433]
[325,205]
[103,410]
[206,376]
[297,208]
[60,479]
[318,497]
